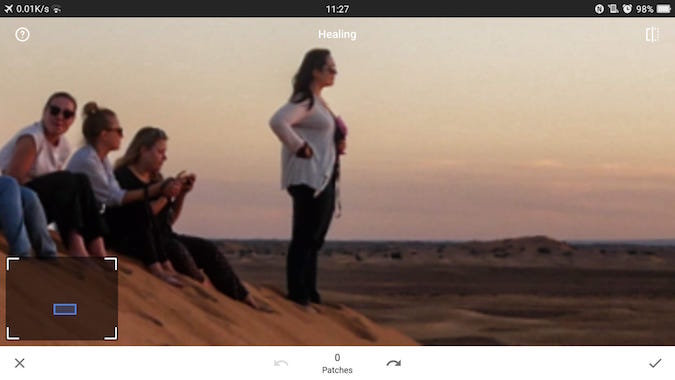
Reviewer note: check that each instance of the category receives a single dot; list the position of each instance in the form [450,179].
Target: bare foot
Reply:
[96,248]
[260,306]
[307,308]
[310,309]
[168,268]
[156,269]
[175,281]
[251,302]
[196,274]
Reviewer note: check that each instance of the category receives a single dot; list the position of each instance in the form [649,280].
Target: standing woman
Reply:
[36,157]
[306,128]
[129,224]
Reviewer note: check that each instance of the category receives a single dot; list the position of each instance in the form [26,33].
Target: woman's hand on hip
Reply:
[305,151]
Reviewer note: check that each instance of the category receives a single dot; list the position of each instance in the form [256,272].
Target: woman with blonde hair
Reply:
[140,168]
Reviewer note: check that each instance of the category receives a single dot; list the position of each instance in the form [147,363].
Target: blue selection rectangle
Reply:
[65,309]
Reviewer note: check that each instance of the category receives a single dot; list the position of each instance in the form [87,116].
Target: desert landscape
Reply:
[153,313]
[521,291]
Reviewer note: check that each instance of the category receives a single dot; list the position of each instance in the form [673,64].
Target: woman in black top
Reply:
[139,168]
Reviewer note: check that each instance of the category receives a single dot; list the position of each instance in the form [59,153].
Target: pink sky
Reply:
[459,128]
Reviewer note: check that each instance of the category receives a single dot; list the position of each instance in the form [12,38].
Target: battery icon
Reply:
[662,8]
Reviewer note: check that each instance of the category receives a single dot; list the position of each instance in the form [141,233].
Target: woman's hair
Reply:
[96,120]
[145,137]
[61,94]
[315,59]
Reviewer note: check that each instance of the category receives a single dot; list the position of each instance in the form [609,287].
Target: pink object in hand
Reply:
[342,127]
[341,131]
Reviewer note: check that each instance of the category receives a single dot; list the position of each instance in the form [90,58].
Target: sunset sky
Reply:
[458,128]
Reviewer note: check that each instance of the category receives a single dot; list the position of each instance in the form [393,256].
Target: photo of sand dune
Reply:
[521,291]
[496,170]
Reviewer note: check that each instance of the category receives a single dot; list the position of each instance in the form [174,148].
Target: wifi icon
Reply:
[56,8]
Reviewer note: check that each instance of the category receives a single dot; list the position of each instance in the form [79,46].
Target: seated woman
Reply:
[140,168]
[140,220]
[23,221]
[36,156]
[130,231]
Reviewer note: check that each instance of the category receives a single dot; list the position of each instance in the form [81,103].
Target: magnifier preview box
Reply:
[61,299]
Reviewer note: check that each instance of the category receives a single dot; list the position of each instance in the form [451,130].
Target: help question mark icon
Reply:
[22,34]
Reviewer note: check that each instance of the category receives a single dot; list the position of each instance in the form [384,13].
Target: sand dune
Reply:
[154,313]
[519,252]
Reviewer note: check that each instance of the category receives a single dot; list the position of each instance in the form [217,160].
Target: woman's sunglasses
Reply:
[119,131]
[55,111]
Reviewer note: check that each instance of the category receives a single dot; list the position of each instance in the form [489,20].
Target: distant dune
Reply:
[526,251]
[154,313]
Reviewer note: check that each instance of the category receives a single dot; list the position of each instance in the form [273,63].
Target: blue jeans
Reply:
[23,220]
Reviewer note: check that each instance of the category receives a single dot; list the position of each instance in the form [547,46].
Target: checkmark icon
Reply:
[655,364]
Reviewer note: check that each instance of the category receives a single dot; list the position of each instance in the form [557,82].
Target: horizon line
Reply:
[577,240]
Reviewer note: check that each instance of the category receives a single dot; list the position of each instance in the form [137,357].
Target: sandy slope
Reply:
[154,313]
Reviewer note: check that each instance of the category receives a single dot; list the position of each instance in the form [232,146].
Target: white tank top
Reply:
[49,158]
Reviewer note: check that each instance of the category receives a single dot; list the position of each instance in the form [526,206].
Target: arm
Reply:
[282,124]
[139,194]
[25,153]
[169,188]
[105,185]
[188,182]
[158,205]
[106,188]
[177,207]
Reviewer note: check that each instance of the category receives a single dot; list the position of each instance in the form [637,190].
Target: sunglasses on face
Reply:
[55,111]
[119,131]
